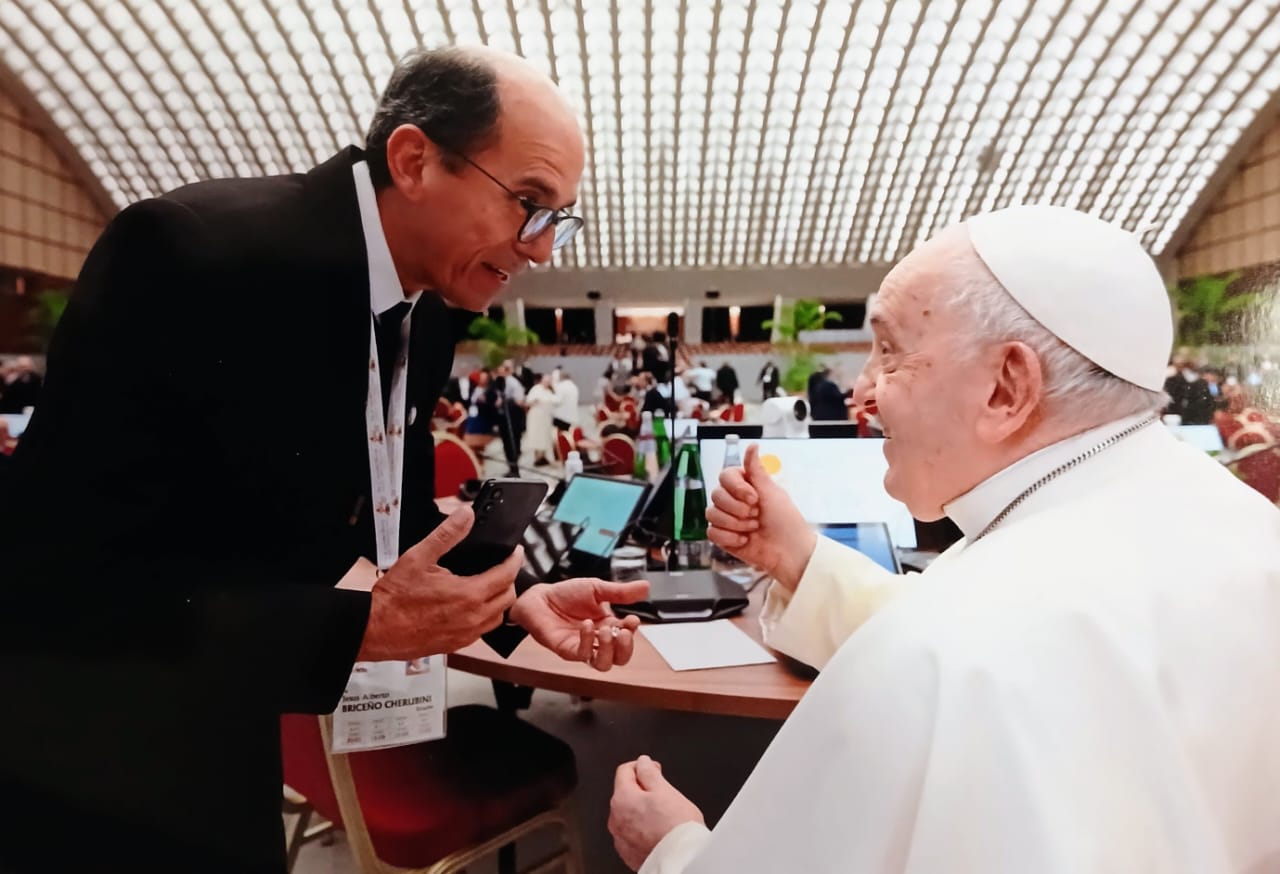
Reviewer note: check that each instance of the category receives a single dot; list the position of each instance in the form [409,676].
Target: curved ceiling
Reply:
[721,134]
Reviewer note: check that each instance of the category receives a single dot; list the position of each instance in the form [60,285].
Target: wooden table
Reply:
[769,691]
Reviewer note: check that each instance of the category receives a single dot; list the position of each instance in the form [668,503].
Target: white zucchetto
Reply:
[1088,282]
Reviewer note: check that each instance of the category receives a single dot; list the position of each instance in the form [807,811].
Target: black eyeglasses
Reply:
[538,218]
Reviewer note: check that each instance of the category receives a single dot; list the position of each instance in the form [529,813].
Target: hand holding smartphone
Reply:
[503,510]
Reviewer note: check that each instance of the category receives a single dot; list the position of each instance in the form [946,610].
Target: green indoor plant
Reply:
[806,314]
[1205,309]
[497,341]
[44,317]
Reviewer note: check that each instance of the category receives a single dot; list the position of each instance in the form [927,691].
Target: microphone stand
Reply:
[672,342]
[510,440]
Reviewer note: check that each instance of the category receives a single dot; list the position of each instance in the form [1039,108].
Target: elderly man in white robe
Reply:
[1090,680]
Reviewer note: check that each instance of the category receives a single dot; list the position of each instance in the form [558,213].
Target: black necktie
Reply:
[388,334]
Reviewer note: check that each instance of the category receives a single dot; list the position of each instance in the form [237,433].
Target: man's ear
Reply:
[410,157]
[1017,392]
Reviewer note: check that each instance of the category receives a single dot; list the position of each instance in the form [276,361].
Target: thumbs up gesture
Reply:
[753,518]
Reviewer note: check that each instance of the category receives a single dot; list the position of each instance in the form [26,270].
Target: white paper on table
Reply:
[390,704]
[692,646]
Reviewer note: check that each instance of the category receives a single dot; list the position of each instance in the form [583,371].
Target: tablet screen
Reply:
[603,507]
[839,480]
[869,538]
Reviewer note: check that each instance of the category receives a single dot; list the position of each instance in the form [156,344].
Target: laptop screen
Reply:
[1206,437]
[840,480]
[602,506]
[869,538]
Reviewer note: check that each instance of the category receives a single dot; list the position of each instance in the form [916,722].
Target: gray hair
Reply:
[450,94]
[1074,387]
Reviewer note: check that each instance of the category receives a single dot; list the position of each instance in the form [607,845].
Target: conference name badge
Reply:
[390,704]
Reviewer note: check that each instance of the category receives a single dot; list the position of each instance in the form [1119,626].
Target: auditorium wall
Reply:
[1242,228]
[48,221]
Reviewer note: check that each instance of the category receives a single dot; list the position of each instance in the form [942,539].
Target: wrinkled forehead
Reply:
[539,140]
[918,296]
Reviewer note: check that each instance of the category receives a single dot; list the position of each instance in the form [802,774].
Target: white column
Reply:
[775,336]
[692,322]
[604,322]
[518,314]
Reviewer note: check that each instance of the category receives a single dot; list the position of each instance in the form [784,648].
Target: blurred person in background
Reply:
[727,383]
[22,386]
[482,411]
[702,380]
[826,401]
[566,391]
[656,357]
[1190,398]
[540,406]
[768,380]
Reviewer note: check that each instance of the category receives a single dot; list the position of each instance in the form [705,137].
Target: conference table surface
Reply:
[768,690]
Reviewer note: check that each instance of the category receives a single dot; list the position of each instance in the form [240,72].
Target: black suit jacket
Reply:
[171,541]
[727,381]
[826,402]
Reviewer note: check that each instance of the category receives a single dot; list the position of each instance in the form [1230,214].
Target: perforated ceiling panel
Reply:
[730,134]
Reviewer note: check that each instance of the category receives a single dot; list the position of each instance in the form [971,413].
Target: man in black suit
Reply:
[172,542]
[826,401]
[768,380]
[727,382]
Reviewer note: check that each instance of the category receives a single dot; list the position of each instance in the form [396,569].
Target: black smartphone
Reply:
[504,508]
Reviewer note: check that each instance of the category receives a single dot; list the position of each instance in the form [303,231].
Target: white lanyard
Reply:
[386,444]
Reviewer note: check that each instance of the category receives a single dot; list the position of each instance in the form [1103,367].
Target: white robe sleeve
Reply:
[948,746]
[841,589]
[674,852]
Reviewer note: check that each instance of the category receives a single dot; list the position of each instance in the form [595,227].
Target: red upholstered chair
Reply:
[1254,438]
[1250,427]
[440,807]
[612,402]
[455,464]
[442,409]
[739,412]
[725,414]
[632,410]
[1260,469]
[619,455]
[456,421]
[564,445]
[699,412]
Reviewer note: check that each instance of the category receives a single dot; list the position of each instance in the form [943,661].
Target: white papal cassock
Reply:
[1092,687]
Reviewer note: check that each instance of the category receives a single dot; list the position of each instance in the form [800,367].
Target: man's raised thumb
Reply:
[754,468]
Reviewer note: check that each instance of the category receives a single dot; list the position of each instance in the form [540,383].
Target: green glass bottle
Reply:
[663,440]
[689,519]
[645,466]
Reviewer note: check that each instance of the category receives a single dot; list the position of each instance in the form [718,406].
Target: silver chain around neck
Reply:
[1060,470]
